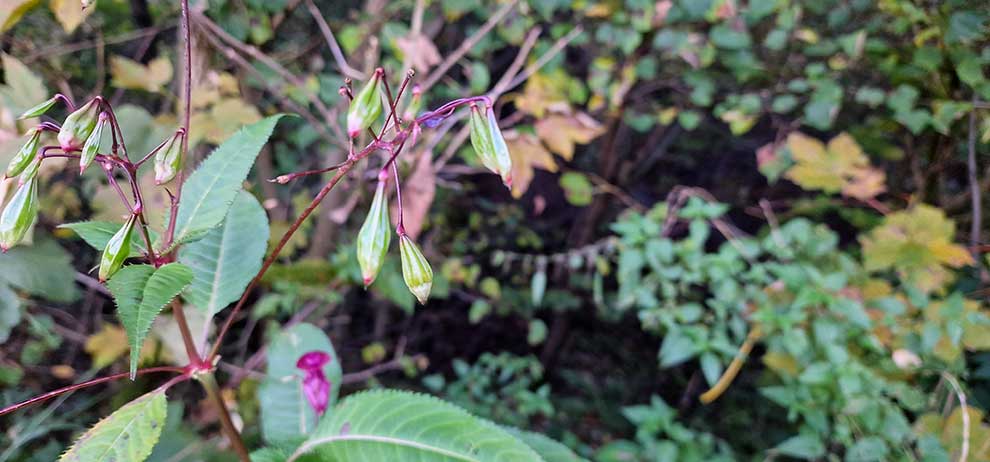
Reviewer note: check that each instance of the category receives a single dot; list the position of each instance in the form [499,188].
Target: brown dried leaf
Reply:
[418,191]
[419,50]
[562,132]
[527,153]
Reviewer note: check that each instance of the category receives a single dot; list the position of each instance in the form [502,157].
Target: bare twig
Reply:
[396,363]
[975,194]
[466,45]
[338,54]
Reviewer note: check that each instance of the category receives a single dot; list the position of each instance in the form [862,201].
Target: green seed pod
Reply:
[375,235]
[117,250]
[78,126]
[502,158]
[26,154]
[415,269]
[415,103]
[30,172]
[366,107]
[38,110]
[92,145]
[19,215]
[168,159]
[488,143]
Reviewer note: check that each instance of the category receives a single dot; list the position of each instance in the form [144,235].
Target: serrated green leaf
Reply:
[33,269]
[226,259]
[286,416]
[400,426]
[548,449]
[140,292]
[127,435]
[210,190]
[98,233]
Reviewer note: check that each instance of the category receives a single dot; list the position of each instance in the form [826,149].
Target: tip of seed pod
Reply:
[368,280]
[507,181]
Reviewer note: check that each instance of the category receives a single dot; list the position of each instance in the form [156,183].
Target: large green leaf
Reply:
[548,449]
[286,416]
[127,435]
[98,233]
[10,311]
[209,191]
[401,426]
[43,269]
[141,291]
[226,259]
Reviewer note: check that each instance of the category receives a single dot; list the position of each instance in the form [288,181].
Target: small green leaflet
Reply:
[208,193]
[141,291]
[98,233]
[400,426]
[127,435]
[227,257]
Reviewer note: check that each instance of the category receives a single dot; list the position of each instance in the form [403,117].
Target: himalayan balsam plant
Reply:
[209,213]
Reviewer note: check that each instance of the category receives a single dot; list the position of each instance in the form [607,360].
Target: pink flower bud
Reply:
[315,385]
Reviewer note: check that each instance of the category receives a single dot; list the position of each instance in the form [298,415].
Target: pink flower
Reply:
[316,387]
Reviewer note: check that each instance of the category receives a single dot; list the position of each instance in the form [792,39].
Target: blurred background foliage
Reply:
[696,181]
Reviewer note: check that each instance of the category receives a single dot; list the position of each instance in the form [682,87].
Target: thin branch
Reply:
[466,46]
[87,384]
[395,364]
[338,55]
[975,194]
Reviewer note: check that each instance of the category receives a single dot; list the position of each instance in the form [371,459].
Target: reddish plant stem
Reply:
[341,172]
[187,340]
[90,383]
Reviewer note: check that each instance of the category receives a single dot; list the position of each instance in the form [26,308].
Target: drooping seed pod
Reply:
[375,235]
[117,250]
[31,171]
[40,109]
[92,145]
[416,271]
[19,215]
[366,106]
[488,143]
[168,159]
[78,126]
[25,155]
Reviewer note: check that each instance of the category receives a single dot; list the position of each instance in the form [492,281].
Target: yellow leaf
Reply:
[136,76]
[561,132]
[70,13]
[917,243]
[11,11]
[781,363]
[527,153]
[106,345]
[839,167]
[543,92]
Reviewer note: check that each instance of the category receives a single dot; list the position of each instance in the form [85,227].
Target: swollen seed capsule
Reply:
[117,250]
[415,103]
[92,145]
[502,159]
[38,110]
[25,155]
[366,107]
[375,235]
[78,126]
[168,159]
[486,138]
[31,171]
[416,271]
[19,215]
